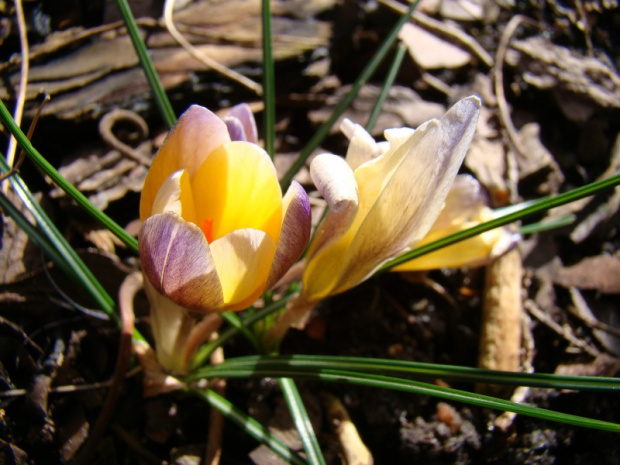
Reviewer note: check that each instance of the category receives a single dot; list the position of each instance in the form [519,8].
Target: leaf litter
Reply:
[560,84]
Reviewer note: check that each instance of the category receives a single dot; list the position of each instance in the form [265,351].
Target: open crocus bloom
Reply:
[216,230]
[384,199]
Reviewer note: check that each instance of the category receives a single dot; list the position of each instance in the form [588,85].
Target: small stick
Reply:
[23,83]
[500,335]
[106,125]
[22,154]
[354,450]
[207,61]
[498,81]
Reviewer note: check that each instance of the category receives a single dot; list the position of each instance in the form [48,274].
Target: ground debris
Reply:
[573,77]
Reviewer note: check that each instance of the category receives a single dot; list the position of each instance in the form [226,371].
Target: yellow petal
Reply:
[237,188]
[197,133]
[465,207]
[470,252]
[175,195]
[243,259]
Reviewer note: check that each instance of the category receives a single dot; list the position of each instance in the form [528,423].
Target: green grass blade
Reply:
[77,268]
[547,225]
[249,425]
[159,94]
[387,85]
[269,86]
[315,363]
[539,206]
[302,422]
[364,76]
[234,321]
[203,354]
[71,191]
[36,236]
[414,387]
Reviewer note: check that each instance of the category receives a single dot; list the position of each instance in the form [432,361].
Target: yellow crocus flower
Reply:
[216,231]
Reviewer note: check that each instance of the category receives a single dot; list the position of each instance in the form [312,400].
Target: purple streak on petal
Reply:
[177,261]
[235,129]
[295,232]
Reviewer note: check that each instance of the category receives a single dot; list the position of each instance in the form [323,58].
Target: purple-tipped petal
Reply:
[295,234]
[244,115]
[235,129]
[197,133]
[177,261]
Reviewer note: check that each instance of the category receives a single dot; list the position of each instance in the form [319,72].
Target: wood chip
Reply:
[598,273]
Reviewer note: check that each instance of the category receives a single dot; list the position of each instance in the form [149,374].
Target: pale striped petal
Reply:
[177,261]
[295,233]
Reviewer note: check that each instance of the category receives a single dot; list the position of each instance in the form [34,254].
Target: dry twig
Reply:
[207,61]
[23,83]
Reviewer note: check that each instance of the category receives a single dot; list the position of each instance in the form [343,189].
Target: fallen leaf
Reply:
[596,273]
[430,51]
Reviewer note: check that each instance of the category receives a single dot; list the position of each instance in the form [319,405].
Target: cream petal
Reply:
[243,113]
[171,324]
[243,259]
[175,195]
[401,195]
[362,147]
[177,261]
[335,181]
[395,137]
[295,234]
[412,199]
[476,251]
[197,133]
[168,198]
[465,207]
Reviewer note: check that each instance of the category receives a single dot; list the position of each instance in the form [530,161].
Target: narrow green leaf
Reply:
[36,236]
[75,194]
[203,354]
[414,387]
[541,226]
[63,254]
[161,99]
[302,422]
[269,87]
[249,425]
[364,76]
[233,320]
[315,363]
[387,85]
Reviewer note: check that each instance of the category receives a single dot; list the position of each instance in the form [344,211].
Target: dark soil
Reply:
[45,342]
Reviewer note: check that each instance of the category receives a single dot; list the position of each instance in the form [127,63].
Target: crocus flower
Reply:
[383,199]
[216,231]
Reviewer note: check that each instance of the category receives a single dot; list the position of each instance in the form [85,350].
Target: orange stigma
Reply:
[207,229]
